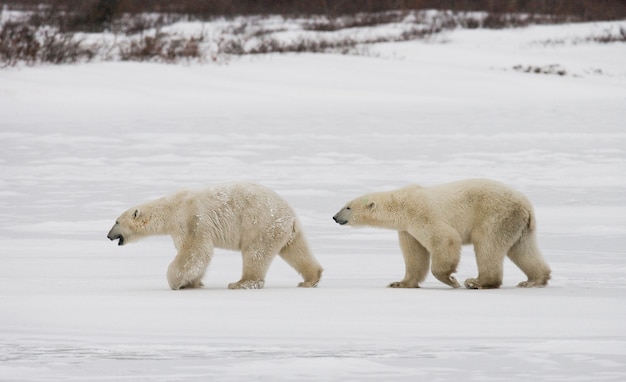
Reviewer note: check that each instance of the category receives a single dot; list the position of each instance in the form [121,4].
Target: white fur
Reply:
[433,223]
[245,217]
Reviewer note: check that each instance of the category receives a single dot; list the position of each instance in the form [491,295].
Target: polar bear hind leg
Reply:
[490,260]
[256,262]
[297,254]
[526,255]
[492,242]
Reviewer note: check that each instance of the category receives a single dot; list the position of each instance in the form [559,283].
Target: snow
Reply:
[80,144]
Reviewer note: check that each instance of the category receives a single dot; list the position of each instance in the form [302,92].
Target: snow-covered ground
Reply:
[80,144]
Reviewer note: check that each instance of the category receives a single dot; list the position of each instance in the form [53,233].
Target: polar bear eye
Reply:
[348,208]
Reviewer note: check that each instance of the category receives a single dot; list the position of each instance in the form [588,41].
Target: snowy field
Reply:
[80,144]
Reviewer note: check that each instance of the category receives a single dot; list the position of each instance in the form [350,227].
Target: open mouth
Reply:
[117,237]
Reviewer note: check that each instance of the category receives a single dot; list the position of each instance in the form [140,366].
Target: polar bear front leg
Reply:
[255,266]
[188,268]
[446,254]
[416,261]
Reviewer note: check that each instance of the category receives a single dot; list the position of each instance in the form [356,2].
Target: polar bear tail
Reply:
[298,255]
[532,223]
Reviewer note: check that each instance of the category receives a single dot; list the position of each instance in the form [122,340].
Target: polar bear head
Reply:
[131,226]
[378,209]
[360,211]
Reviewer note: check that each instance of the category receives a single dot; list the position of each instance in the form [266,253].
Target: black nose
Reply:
[339,220]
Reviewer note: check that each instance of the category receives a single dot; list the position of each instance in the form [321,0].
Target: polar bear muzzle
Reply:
[115,235]
[342,216]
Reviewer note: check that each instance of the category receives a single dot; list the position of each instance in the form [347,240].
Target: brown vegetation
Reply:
[161,47]
[99,11]
[25,43]
[47,32]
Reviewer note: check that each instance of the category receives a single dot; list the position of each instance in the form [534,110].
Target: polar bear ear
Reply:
[136,214]
[371,205]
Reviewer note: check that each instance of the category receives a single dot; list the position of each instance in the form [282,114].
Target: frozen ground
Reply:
[80,144]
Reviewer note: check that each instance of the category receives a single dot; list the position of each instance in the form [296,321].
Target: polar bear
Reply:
[433,223]
[242,216]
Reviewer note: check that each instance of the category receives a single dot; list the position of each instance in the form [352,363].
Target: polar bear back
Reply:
[472,204]
[235,213]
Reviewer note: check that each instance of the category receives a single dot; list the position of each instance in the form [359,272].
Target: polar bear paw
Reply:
[308,284]
[532,284]
[472,284]
[475,284]
[192,284]
[403,284]
[247,284]
[178,280]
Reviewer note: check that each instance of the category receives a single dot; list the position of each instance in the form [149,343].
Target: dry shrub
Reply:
[23,43]
[58,48]
[162,48]
[18,43]
[609,37]
[548,69]
[47,35]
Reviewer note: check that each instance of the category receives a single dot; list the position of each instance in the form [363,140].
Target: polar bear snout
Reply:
[339,220]
[340,217]
[115,235]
